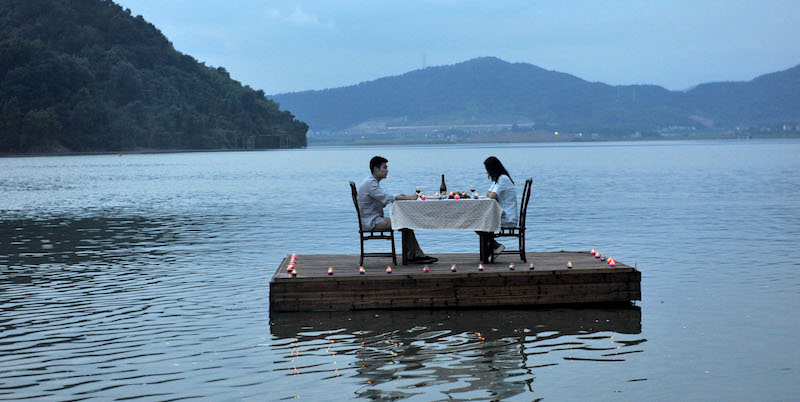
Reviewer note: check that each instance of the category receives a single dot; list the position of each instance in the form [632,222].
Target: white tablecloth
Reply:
[481,215]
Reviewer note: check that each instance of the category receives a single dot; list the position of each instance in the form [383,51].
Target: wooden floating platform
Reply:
[549,283]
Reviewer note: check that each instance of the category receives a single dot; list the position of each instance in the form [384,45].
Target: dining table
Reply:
[481,215]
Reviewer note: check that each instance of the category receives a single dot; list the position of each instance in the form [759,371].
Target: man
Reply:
[371,201]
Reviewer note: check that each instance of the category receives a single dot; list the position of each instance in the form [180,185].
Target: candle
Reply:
[511,266]
[294,272]
[480,267]
[425,269]
[294,256]
[611,262]
[330,270]
[592,252]
[531,267]
[453,268]
[456,197]
[597,254]
[569,264]
[422,197]
[361,270]
[602,258]
[388,270]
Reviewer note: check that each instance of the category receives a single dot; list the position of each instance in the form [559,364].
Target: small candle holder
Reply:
[423,197]
[611,262]
[361,270]
[593,252]
[511,267]
[480,267]
[569,264]
[294,273]
[425,269]
[453,268]
[388,270]
[531,267]
[330,270]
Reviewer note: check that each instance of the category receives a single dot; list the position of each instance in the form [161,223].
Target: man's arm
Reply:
[405,197]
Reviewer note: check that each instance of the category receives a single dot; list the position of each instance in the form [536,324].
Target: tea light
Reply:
[361,270]
[457,197]
[602,258]
[425,269]
[611,262]
[294,272]
[475,196]
[423,197]
[480,267]
[569,264]
[294,256]
[511,266]
[597,254]
[330,270]
[388,270]
[453,268]
[531,267]
[290,267]
[592,252]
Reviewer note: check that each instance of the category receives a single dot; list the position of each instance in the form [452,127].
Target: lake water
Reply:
[147,276]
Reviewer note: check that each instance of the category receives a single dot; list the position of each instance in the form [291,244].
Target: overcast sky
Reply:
[283,46]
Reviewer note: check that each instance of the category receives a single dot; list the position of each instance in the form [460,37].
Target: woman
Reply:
[502,190]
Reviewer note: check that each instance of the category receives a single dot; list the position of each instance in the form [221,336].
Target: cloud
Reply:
[298,17]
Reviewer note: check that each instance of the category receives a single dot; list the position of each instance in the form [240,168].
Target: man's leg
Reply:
[410,244]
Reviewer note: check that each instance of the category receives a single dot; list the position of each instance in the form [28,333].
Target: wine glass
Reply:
[419,190]
[472,190]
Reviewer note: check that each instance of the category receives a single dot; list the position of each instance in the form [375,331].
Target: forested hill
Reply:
[86,75]
[489,90]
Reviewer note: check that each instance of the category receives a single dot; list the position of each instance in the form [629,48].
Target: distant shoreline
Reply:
[315,144]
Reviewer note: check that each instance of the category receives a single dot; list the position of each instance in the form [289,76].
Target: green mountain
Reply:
[86,75]
[491,91]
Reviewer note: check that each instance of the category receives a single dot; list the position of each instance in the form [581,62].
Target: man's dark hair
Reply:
[495,169]
[376,162]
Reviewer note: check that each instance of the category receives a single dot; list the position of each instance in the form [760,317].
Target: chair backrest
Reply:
[354,192]
[526,196]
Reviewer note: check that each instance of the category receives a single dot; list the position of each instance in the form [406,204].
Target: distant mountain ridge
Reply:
[490,90]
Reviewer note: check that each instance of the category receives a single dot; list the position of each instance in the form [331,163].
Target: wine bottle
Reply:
[443,187]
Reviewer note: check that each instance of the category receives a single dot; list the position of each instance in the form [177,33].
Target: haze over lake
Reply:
[138,275]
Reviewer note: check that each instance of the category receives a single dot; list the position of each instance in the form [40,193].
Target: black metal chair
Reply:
[519,230]
[365,235]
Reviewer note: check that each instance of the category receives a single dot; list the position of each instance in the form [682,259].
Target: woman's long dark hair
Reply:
[495,169]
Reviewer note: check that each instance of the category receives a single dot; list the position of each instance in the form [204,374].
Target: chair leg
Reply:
[522,247]
[361,262]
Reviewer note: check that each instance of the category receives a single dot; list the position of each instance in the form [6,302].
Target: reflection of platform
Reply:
[494,324]
[589,281]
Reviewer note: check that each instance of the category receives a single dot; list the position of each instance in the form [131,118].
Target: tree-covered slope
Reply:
[85,75]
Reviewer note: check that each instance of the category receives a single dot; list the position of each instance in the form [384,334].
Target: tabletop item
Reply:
[569,264]
[531,267]
[330,270]
[442,187]
[453,268]
[388,270]
[480,267]
[361,270]
[511,267]
[425,269]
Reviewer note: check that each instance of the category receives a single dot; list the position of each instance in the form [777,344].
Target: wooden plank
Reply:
[590,281]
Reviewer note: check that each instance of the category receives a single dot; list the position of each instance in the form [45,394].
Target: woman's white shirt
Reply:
[507,198]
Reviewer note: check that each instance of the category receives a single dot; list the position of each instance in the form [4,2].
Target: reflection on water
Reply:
[472,354]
